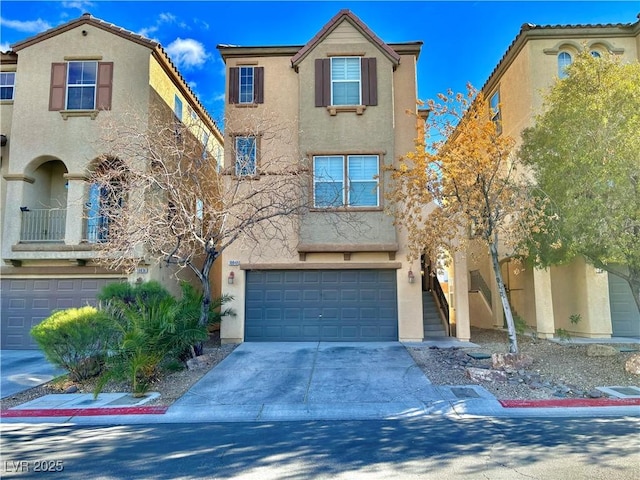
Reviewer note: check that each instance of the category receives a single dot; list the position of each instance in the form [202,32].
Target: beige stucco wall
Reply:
[384,129]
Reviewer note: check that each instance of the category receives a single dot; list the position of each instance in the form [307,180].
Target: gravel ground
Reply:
[558,370]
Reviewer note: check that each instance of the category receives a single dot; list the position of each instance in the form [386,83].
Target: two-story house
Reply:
[345,94]
[55,88]
[546,298]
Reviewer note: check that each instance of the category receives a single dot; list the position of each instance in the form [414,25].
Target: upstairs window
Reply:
[496,115]
[82,78]
[177,107]
[81,85]
[246,85]
[350,180]
[246,164]
[564,60]
[346,81]
[7,85]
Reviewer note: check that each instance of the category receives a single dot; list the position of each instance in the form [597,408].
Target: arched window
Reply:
[564,60]
[595,54]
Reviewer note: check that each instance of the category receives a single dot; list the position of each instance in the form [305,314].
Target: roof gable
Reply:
[345,16]
[85,19]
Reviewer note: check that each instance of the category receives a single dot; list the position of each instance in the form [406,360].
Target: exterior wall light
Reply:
[412,277]
[230,278]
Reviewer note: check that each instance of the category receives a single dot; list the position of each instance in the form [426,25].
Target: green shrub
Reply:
[148,337]
[147,292]
[75,339]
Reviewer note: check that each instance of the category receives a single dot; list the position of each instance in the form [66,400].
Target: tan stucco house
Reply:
[56,86]
[546,298]
[346,93]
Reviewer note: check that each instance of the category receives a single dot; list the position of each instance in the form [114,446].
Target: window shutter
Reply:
[323,82]
[369,82]
[58,86]
[234,85]
[105,85]
[258,84]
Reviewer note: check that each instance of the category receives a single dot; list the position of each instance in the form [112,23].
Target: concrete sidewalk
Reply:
[24,369]
[308,381]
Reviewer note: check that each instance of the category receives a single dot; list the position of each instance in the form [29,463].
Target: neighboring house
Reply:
[345,93]
[54,88]
[546,298]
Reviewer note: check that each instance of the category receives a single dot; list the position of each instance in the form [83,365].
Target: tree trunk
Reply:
[203,275]
[513,339]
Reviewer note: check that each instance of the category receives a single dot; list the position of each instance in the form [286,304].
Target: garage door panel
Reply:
[26,302]
[327,305]
[625,319]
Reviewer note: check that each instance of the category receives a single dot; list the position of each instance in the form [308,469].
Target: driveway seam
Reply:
[313,369]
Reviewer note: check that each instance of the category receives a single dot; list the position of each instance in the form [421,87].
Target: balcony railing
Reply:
[96,230]
[43,224]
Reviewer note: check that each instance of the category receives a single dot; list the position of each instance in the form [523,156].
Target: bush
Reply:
[149,336]
[147,293]
[75,339]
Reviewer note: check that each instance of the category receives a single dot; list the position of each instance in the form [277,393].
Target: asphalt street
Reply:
[427,447]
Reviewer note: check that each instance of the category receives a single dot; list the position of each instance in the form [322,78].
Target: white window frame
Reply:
[344,199]
[346,80]
[248,96]
[563,63]
[4,76]
[496,114]
[71,86]
[241,164]
[177,107]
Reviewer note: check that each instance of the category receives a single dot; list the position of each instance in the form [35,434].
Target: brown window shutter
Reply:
[234,85]
[105,85]
[58,86]
[323,82]
[258,84]
[369,81]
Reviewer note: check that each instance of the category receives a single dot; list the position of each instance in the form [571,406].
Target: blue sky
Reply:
[463,40]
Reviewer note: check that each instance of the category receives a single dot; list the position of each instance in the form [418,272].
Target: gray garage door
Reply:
[26,302]
[321,305]
[625,319]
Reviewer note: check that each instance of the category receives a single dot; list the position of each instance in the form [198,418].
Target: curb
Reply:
[82,412]
[571,403]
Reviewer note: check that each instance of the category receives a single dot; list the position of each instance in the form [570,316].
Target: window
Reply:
[564,60]
[595,54]
[346,81]
[246,85]
[7,85]
[246,156]
[205,145]
[361,188]
[82,80]
[103,204]
[496,116]
[81,85]
[177,107]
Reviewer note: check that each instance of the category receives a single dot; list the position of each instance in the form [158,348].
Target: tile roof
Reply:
[343,15]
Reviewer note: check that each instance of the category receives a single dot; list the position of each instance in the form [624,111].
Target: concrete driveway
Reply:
[24,369]
[298,381]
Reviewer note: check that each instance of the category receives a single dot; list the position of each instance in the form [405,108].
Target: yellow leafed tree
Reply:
[462,184]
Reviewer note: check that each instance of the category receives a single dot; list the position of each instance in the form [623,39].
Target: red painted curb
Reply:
[571,403]
[83,412]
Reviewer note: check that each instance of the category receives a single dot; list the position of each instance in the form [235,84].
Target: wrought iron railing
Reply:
[479,285]
[43,224]
[442,299]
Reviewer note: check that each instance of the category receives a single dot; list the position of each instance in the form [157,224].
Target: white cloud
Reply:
[4,47]
[82,5]
[220,97]
[163,19]
[31,26]
[187,53]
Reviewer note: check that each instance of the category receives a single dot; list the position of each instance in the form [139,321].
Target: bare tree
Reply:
[166,197]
